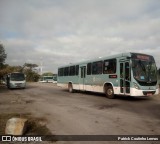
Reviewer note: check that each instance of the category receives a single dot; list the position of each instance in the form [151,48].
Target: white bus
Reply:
[15,80]
[131,74]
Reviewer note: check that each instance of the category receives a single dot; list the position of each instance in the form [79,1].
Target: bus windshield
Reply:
[144,68]
[17,77]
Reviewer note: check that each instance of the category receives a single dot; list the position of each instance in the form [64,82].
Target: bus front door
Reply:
[82,78]
[125,78]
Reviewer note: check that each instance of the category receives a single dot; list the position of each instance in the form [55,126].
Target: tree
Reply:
[48,74]
[3,55]
[31,75]
[8,69]
[30,66]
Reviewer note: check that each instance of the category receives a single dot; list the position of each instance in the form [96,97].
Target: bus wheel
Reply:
[109,92]
[70,88]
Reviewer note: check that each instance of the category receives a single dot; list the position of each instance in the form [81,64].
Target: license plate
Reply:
[149,94]
[18,85]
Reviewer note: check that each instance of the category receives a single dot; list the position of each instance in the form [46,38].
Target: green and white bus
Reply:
[48,79]
[131,74]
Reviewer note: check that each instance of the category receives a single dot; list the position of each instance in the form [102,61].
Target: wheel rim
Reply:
[109,91]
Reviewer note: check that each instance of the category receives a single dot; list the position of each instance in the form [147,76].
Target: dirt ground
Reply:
[52,110]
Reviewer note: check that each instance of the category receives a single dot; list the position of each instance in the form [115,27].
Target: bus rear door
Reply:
[82,76]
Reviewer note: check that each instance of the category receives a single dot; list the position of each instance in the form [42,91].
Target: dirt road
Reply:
[84,113]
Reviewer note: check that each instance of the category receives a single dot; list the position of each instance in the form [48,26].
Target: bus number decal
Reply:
[112,76]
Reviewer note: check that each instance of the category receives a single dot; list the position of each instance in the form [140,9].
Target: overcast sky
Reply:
[59,32]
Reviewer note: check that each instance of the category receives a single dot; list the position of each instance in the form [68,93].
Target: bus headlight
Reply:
[136,85]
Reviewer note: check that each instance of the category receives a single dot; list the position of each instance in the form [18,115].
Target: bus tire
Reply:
[70,88]
[109,92]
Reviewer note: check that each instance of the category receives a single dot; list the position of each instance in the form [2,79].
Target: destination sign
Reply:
[143,57]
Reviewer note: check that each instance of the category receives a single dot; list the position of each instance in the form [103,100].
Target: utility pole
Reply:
[41,69]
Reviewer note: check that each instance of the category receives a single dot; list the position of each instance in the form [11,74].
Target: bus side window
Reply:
[60,72]
[72,71]
[109,66]
[89,69]
[66,71]
[77,69]
[97,67]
